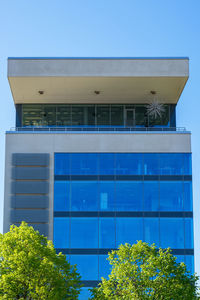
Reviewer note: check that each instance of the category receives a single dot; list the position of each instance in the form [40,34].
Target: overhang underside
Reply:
[96,89]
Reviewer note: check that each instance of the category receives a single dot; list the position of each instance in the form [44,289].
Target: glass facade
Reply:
[102,200]
[93,115]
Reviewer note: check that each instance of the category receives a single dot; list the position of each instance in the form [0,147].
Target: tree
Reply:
[30,268]
[141,271]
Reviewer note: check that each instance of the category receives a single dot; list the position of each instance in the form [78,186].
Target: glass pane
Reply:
[61,195]
[141,116]
[103,115]
[84,163]
[107,192]
[63,115]
[84,233]
[189,261]
[171,164]
[107,233]
[117,115]
[188,196]
[187,157]
[84,293]
[180,258]
[32,115]
[106,163]
[151,164]
[90,116]
[87,266]
[104,267]
[84,196]
[129,164]
[163,120]
[172,233]
[189,233]
[61,233]
[171,196]
[62,164]
[49,115]
[151,231]
[77,115]
[151,195]
[128,230]
[129,195]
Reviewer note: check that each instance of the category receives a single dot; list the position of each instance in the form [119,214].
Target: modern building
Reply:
[96,158]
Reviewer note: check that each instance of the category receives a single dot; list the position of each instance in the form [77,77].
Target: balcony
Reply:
[96,129]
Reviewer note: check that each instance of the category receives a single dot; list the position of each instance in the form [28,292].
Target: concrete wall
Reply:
[50,143]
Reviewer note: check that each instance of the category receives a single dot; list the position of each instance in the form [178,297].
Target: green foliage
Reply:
[143,272]
[31,269]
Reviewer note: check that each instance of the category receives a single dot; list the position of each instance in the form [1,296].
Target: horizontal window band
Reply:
[147,214]
[101,251]
[124,177]
[90,283]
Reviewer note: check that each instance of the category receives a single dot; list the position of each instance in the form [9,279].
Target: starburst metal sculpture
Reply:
[155,109]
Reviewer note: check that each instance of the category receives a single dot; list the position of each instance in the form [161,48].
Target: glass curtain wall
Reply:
[102,200]
[94,115]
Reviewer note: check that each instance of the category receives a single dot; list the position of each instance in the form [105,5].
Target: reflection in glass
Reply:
[172,233]
[84,196]
[84,232]
[129,164]
[189,261]
[151,164]
[87,266]
[107,193]
[189,233]
[128,230]
[129,195]
[107,233]
[61,195]
[151,195]
[151,231]
[61,233]
[106,163]
[171,164]
[62,163]
[171,196]
[84,163]
[104,267]
[188,195]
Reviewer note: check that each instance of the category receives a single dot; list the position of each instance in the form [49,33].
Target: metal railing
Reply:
[97,129]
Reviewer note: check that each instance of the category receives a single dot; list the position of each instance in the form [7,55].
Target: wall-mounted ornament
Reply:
[155,109]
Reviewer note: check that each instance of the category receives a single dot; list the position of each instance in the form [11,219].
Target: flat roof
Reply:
[117,79]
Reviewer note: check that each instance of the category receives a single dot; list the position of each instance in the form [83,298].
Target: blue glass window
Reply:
[61,195]
[106,163]
[187,163]
[61,233]
[151,231]
[104,267]
[128,230]
[151,164]
[129,195]
[84,163]
[171,164]
[84,233]
[189,233]
[107,233]
[188,196]
[129,164]
[107,192]
[171,196]
[151,195]
[172,233]
[84,196]
[189,261]
[87,266]
[180,258]
[84,293]
[62,164]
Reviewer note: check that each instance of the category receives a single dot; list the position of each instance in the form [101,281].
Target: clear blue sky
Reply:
[105,28]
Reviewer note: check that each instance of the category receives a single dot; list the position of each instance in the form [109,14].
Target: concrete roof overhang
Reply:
[75,80]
